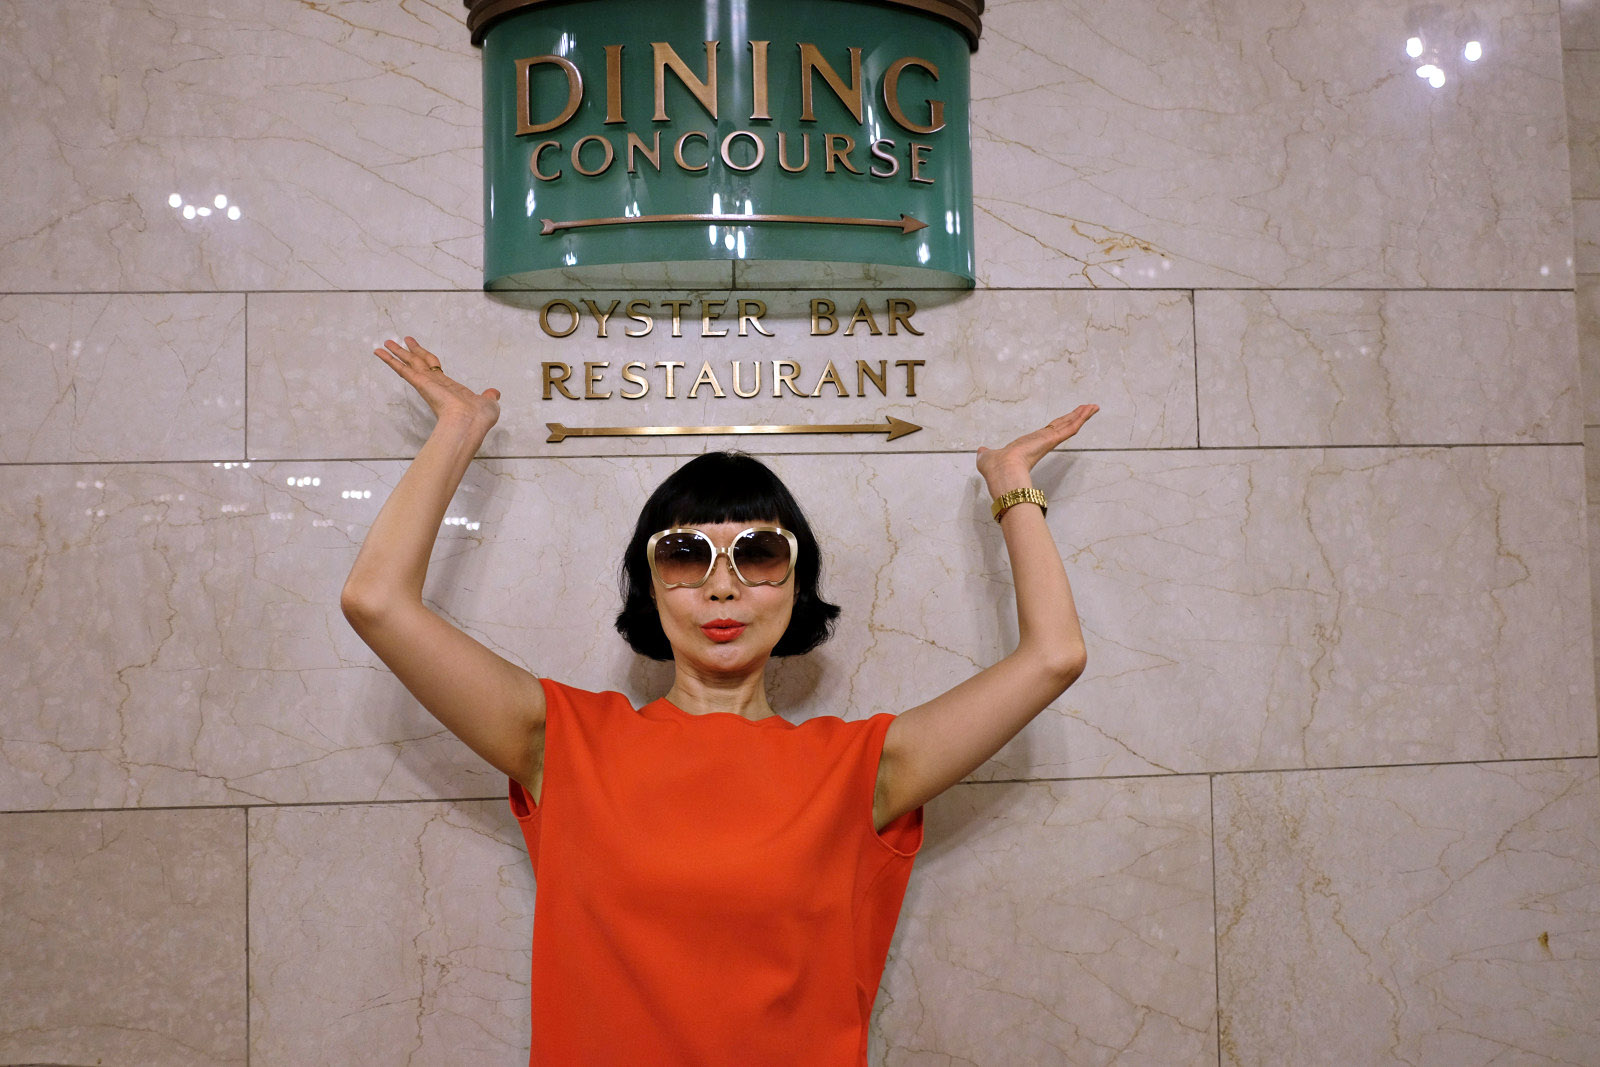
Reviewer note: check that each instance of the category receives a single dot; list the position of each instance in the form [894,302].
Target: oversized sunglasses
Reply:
[760,555]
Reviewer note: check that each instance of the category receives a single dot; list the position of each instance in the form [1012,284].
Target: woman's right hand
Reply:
[447,397]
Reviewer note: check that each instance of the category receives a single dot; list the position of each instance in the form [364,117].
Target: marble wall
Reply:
[1328,792]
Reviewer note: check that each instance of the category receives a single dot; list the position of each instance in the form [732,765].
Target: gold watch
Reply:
[1012,497]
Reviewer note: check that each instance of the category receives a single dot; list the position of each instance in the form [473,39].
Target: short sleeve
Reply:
[903,835]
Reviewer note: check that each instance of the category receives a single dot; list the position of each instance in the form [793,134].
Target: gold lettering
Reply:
[591,378]
[677,307]
[830,373]
[911,366]
[671,368]
[652,154]
[642,319]
[863,315]
[754,389]
[577,149]
[752,318]
[677,150]
[533,161]
[891,96]
[613,84]
[785,377]
[727,157]
[544,318]
[711,311]
[556,378]
[850,96]
[706,377]
[917,162]
[822,311]
[704,91]
[842,155]
[628,375]
[525,123]
[879,153]
[783,152]
[900,312]
[864,374]
[601,317]
[758,80]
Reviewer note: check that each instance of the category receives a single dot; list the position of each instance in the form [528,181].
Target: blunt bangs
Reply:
[722,487]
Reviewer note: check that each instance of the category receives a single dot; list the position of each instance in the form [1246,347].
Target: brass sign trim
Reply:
[892,426]
[905,224]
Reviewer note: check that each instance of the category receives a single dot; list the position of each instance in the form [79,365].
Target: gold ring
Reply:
[436,368]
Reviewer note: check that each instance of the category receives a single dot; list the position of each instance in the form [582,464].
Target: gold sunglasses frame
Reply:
[650,555]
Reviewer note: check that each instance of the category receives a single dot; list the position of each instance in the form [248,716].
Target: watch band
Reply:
[1012,497]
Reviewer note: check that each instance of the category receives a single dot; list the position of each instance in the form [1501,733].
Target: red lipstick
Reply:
[722,630]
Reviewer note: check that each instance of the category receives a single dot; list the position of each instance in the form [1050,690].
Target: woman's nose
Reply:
[723,583]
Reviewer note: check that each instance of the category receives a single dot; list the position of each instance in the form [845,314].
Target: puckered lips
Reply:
[722,630]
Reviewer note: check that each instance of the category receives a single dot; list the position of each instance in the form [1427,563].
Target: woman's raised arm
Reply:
[491,704]
[933,746]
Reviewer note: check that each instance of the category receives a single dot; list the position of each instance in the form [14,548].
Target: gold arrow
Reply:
[893,426]
[905,224]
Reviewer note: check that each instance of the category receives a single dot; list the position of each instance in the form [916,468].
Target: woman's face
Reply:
[724,626]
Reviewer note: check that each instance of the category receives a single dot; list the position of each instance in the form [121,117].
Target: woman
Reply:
[715,884]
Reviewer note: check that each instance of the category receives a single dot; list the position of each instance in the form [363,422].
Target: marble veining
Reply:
[1410,915]
[389,934]
[1129,145]
[1243,610]
[1321,368]
[122,377]
[122,938]
[1060,923]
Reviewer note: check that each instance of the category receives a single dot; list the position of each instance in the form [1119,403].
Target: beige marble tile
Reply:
[1051,923]
[1410,915]
[1580,24]
[100,377]
[1591,466]
[992,365]
[176,636]
[345,134]
[1191,143]
[122,937]
[1370,368]
[1581,71]
[389,934]
[1588,305]
[1586,235]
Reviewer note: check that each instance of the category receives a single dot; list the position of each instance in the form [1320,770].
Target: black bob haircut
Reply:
[722,487]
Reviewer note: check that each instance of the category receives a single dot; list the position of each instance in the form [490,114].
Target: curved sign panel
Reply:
[726,142]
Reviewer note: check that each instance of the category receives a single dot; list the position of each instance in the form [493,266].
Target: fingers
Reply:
[409,356]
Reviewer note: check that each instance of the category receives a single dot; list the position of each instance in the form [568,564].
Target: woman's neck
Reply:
[745,696]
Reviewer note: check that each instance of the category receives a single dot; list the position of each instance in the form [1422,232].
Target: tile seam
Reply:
[1176,449]
[499,797]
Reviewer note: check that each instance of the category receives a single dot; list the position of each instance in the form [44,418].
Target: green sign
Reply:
[630,143]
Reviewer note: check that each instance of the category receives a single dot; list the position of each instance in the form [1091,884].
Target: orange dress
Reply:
[710,889]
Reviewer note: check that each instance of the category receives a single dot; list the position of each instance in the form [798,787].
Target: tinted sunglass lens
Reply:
[762,556]
[682,558]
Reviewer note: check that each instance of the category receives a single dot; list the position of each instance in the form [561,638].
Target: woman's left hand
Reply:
[1009,467]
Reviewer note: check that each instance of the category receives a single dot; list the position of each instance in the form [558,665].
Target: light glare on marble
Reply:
[346,134]
[389,934]
[1299,368]
[1257,144]
[992,366]
[122,938]
[1410,915]
[122,378]
[1051,923]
